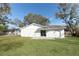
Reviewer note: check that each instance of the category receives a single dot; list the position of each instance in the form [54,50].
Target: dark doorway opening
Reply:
[43,32]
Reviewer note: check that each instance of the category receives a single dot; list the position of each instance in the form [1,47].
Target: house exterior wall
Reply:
[62,33]
[54,34]
[31,31]
[51,34]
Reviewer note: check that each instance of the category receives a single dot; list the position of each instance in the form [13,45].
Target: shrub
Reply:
[77,32]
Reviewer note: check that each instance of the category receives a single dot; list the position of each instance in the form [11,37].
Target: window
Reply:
[43,32]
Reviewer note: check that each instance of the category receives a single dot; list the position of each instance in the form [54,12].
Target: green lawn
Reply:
[16,46]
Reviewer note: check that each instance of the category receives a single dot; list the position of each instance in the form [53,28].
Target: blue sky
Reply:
[19,10]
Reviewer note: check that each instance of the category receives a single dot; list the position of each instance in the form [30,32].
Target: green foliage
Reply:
[17,22]
[4,10]
[3,27]
[35,18]
[3,23]
[69,13]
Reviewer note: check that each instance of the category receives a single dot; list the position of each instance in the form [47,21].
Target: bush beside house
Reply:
[77,32]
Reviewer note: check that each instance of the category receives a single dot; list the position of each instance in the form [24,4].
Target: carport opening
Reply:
[43,32]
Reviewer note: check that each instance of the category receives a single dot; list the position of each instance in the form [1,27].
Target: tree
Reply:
[77,31]
[35,18]
[4,10]
[68,13]
[2,27]
[17,22]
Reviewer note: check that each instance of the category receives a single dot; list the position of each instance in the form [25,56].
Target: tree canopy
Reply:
[35,18]
[17,22]
[68,13]
[4,10]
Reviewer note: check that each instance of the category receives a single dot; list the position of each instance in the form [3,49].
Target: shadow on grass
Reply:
[9,46]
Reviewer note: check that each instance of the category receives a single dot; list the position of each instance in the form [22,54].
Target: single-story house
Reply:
[38,31]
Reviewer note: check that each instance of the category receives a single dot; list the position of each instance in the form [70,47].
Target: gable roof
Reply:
[49,27]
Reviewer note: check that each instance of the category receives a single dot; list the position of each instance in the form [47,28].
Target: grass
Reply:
[18,46]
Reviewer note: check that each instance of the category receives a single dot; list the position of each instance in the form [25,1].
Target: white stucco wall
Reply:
[52,34]
[30,31]
[62,33]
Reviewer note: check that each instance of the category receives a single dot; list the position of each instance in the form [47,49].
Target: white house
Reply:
[39,31]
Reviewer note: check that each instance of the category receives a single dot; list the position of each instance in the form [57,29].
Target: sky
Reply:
[19,10]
